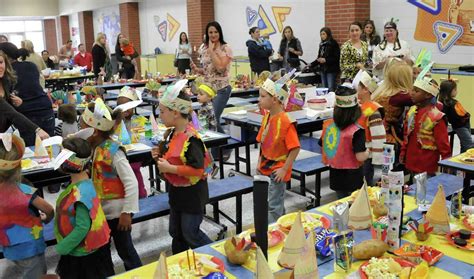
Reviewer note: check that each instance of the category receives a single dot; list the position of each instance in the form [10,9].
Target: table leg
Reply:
[466,188]
[317,190]
[215,211]
[221,162]
[238,213]
[247,159]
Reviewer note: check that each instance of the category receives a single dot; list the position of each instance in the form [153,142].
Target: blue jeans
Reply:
[219,102]
[124,245]
[276,200]
[45,122]
[329,80]
[185,230]
[465,138]
[33,267]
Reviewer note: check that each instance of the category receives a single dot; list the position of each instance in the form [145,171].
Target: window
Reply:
[19,30]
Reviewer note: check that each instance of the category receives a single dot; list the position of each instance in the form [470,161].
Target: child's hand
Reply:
[155,153]
[163,165]
[279,174]
[125,222]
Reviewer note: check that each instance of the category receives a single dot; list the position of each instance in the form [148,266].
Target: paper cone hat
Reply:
[294,245]
[154,125]
[123,135]
[40,150]
[161,271]
[307,268]
[438,214]
[263,270]
[360,215]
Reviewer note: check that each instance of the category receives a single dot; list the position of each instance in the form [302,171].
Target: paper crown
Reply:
[437,215]
[9,140]
[346,101]
[270,87]
[208,90]
[360,215]
[294,245]
[425,83]
[170,98]
[100,119]
[68,160]
[89,90]
[129,93]
[368,82]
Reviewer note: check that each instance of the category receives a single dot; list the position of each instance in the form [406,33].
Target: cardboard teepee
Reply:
[360,214]
[40,150]
[307,268]
[294,245]
[263,270]
[161,271]
[438,214]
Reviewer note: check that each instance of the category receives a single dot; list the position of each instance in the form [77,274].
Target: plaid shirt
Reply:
[207,111]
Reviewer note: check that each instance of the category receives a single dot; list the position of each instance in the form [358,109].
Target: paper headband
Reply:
[273,89]
[70,161]
[170,98]
[346,101]
[129,93]
[368,82]
[100,119]
[8,141]
[425,83]
[209,91]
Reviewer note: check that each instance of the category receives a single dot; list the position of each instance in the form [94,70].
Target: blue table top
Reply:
[469,168]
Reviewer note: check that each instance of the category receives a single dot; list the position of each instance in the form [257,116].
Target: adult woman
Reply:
[101,57]
[354,53]
[126,67]
[328,59]
[390,47]
[184,53]
[370,36]
[9,115]
[216,58]
[30,99]
[290,49]
[34,58]
[258,52]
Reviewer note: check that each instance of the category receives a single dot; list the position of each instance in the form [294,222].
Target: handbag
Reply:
[175,63]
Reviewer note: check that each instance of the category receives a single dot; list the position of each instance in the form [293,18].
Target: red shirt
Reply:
[420,160]
[85,60]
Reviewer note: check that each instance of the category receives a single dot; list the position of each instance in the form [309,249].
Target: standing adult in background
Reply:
[29,97]
[354,53]
[66,52]
[83,58]
[34,58]
[126,67]
[290,50]
[328,59]
[49,63]
[390,47]
[259,53]
[3,38]
[184,53]
[370,36]
[101,57]
[216,58]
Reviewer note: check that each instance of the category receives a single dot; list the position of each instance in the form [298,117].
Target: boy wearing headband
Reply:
[371,120]
[425,131]
[21,225]
[80,225]
[184,163]
[343,143]
[279,144]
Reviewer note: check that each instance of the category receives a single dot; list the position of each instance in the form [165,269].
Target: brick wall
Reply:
[200,12]
[86,28]
[340,13]
[64,30]
[129,23]
[50,36]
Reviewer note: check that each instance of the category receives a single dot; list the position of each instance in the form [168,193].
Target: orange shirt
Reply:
[276,143]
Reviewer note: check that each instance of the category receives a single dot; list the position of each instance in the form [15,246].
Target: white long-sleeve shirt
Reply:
[129,204]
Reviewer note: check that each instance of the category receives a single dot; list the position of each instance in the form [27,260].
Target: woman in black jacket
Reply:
[290,50]
[127,69]
[101,57]
[258,53]
[328,59]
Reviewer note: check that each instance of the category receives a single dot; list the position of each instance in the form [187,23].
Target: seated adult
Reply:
[66,52]
[390,47]
[259,53]
[83,58]
[47,60]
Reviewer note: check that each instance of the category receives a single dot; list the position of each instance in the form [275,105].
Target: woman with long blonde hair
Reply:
[101,57]
[394,96]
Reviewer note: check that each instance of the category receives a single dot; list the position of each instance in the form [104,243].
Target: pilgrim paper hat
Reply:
[263,270]
[161,271]
[294,245]
[307,267]
[437,215]
[360,214]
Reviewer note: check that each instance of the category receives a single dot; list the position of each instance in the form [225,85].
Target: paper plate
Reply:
[470,242]
[275,236]
[466,223]
[403,263]
[309,221]
[202,271]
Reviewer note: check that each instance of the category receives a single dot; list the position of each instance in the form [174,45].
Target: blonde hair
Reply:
[99,36]
[398,76]
[28,45]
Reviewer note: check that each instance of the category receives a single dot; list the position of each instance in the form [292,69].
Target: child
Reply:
[343,142]
[279,145]
[80,226]
[126,95]
[68,115]
[371,120]
[184,163]
[206,116]
[21,228]
[113,180]
[425,131]
[128,50]
[457,115]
